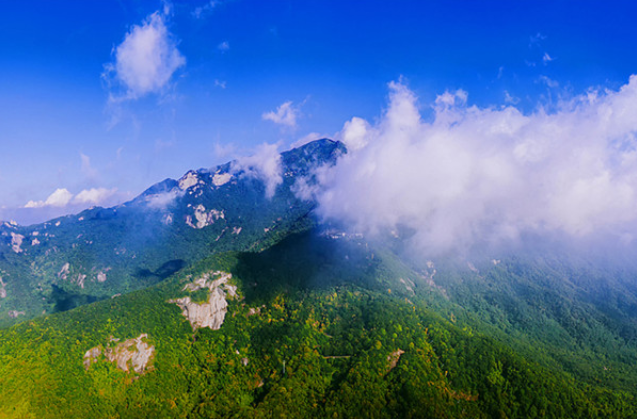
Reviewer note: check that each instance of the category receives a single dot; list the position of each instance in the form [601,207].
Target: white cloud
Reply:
[168,7]
[285,114]
[224,46]
[546,58]
[202,11]
[508,98]
[220,83]
[162,200]
[549,82]
[63,198]
[475,175]
[264,164]
[146,60]
[94,196]
[355,134]
[59,198]
[536,39]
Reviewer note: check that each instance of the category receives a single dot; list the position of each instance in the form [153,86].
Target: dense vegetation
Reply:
[325,324]
[322,328]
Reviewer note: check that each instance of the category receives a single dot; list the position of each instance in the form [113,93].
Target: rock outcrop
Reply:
[132,354]
[393,358]
[64,272]
[212,313]
[204,218]
[16,242]
[15,313]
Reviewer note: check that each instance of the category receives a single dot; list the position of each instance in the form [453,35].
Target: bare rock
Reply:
[132,354]
[14,313]
[79,280]
[64,272]
[220,179]
[90,357]
[393,359]
[16,242]
[204,218]
[212,313]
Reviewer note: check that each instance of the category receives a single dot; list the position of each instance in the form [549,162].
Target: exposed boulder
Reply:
[188,180]
[220,179]
[16,242]
[393,358]
[79,280]
[203,218]
[132,354]
[15,313]
[212,313]
[64,272]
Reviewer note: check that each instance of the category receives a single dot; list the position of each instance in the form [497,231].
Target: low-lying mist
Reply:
[474,178]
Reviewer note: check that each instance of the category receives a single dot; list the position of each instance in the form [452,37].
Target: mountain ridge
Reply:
[129,243]
[301,318]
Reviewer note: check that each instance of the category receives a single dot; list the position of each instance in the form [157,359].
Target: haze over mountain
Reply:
[222,293]
[449,233]
[102,100]
[101,252]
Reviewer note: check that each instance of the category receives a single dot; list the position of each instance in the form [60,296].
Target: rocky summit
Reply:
[101,252]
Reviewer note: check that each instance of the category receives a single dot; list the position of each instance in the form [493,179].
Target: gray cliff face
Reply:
[212,313]
[132,354]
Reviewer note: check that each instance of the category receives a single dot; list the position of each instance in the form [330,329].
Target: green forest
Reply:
[326,328]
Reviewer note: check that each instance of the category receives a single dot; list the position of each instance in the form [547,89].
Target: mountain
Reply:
[297,318]
[101,252]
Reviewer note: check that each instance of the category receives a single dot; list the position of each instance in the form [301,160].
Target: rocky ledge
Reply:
[133,353]
[211,313]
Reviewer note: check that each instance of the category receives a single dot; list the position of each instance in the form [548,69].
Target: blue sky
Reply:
[84,120]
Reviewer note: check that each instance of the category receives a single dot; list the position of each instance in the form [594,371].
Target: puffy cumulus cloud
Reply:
[355,134]
[63,198]
[146,60]
[59,198]
[285,114]
[264,164]
[471,175]
[94,196]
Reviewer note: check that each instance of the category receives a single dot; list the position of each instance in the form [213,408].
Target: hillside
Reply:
[299,339]
[289,316]
[101,252]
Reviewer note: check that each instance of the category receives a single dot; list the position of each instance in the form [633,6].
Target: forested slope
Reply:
[320,327]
